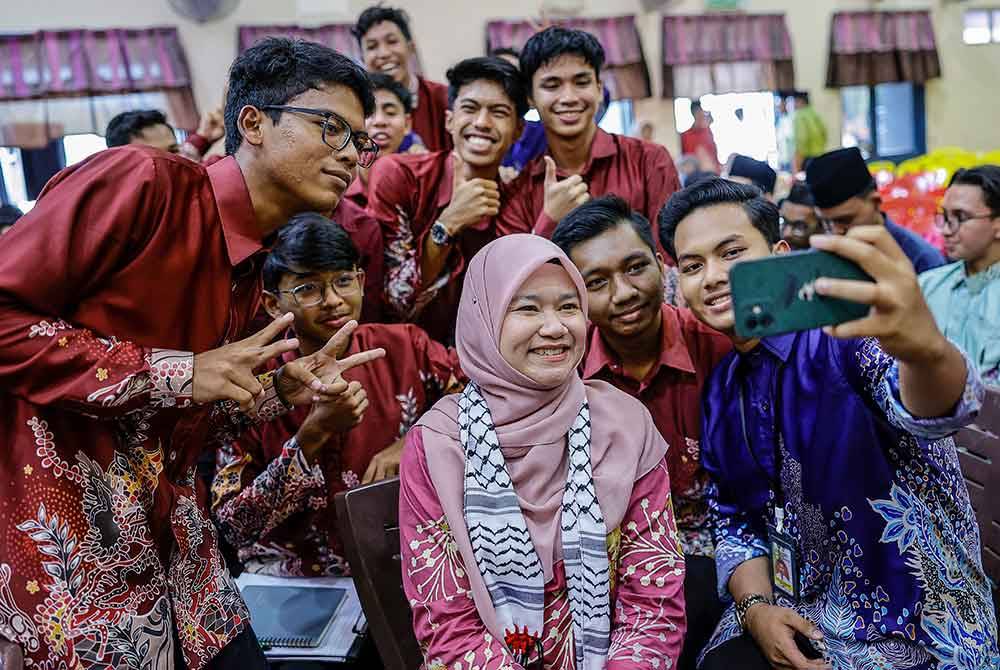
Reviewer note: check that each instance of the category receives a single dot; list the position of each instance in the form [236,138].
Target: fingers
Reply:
[550,171]
[337,344]
[458,171]
[274,350]
[246,381]
[866,292]
[370,472]
[361,358]
[239,395]
[299,373]
[871,258]
[271,330]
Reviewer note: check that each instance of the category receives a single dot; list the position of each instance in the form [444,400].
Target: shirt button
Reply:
[765,406]
[173,455]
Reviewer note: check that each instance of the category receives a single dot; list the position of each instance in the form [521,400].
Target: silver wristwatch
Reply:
[440,235]
[744,605]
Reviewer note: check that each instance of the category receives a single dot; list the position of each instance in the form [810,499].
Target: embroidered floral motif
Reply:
[44,439]
[46,329]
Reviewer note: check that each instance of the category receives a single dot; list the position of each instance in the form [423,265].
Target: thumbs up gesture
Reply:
[472,200]
[562,197]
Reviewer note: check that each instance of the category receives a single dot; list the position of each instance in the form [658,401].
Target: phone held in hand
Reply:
[777,294]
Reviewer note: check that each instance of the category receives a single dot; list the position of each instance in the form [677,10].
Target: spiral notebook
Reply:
[292,616]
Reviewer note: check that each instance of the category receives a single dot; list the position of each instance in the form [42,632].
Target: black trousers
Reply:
[740,652]
[242,653]
[703,607]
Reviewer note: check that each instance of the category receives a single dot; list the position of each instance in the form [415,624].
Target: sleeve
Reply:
[251,496]
[445,621]
[649,621]
[874,375]
[662,182]
[440,369]
[89,221]
[516,209]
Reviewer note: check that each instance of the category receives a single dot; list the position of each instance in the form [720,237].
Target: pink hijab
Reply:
[531,420]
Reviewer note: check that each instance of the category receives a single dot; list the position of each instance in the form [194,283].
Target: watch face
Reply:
[439,235]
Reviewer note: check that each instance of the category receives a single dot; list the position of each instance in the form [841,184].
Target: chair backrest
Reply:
[368,521]
[979,455]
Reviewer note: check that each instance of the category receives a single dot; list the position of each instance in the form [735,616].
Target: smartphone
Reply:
[777,294]
[811,649]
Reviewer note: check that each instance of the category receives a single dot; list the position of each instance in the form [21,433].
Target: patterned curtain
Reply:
[625,72]
[56,82]
[725,53]
[868,48]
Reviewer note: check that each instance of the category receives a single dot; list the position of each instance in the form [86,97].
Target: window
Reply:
[884,121]
[76,148]
[742,123]
[981,26]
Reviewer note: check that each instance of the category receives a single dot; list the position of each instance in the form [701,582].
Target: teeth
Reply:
[550,352]
[478,142]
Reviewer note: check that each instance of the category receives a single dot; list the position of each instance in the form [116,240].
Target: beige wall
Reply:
[960,105]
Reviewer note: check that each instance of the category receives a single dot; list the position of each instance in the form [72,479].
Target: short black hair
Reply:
[9,214]
[695,106]
[377,14]
[309,243]
[596,217]
[800,194]
[553,42]
[987,178]
[506,51]
[277,69]
[493,69]
[383,82]
[763,213]
[126,126]
[802,95]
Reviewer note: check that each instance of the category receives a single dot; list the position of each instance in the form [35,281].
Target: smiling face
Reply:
[624,280]
[389,124]
[567,93]
[343,294]
[483,123]
[299,164]
[159,135]
[979,231]
[708,242]
[544,331]
[385,49]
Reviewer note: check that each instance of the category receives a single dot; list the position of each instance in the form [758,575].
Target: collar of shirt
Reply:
[779,346]
[239,223]
[357,191]
[603,146]
[673,352]
[978,282]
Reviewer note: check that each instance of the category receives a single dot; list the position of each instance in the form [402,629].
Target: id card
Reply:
[784,563]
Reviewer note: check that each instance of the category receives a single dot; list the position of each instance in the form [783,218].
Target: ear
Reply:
[876,198]
[271,305]
[448,116]
[409,122]
[780,247]
[361,280]
[250,123]
[660,263]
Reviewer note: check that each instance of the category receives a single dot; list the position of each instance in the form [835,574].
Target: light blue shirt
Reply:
[967,310]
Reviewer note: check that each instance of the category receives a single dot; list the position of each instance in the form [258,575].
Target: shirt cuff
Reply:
[172,376]
[934,428]
[300,472]
[732,552]
[269,406]
[545,226]
[199,142]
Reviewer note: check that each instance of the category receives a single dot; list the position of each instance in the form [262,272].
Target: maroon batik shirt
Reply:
[130,263]
[275,507]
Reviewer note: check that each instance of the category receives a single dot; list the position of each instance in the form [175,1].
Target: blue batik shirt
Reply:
[888,546]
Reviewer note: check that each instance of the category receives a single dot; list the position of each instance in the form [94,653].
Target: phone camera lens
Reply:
[751,323]
[766,320]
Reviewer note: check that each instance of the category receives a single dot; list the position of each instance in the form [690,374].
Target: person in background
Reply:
[438,209]
[829,451]
[809,132]
[9,214]
[274,486]
[128,357]
[964,296]
[846,196]
[563,69]
[646,131]
[784,130]
[687,165]
[535,517]
[660,355]
[698,140]
[746,170]
[387,47]
[211,129]
[798,216]
[148,127]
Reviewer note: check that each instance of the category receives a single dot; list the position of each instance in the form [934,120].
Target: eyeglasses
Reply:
[951,223]
[797,225]
[337,133]
[313,293]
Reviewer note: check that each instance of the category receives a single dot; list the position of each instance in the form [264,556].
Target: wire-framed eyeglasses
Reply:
[337,133]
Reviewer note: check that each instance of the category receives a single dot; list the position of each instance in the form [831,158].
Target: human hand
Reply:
[339,414]
[472,200]
[226,373]
[317,377]
[212,125]
[899,316]
[773,629]
[562,197]
[385,463]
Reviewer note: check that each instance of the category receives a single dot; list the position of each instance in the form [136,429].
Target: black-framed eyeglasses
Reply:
[313,293]
[950,223]
[337,133]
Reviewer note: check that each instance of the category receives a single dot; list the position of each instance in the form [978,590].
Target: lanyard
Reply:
[775,481]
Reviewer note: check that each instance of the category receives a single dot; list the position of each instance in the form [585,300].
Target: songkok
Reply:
[837,176]
[760,173]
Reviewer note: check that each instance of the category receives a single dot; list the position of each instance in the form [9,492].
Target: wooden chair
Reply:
[368,521]
[979,455]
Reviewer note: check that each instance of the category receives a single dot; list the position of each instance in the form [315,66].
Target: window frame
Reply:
[993,20]
[919,124]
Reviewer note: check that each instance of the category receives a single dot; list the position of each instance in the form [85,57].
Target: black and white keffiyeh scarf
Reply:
[502,546]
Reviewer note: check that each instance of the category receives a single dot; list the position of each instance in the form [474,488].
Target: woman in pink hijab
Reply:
[536,524]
